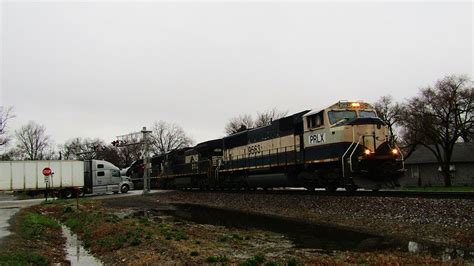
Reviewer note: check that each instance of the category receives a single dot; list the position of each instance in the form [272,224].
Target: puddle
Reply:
[303,235]
[5,215]
[75,252]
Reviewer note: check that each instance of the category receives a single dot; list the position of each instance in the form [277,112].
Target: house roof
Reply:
[462,152]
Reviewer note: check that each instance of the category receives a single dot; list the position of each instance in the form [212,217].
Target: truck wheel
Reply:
[80,193]
[124,188]
[67,194]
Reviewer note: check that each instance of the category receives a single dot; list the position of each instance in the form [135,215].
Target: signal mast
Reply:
[138,138]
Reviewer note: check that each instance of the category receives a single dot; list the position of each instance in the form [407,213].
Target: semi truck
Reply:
[68,178]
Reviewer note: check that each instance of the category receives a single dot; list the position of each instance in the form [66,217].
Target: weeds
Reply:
[34,225]
[68,209]
[74,224]
[23,258]
[253,261]
[270,263]
[214,259]
[173,233]
[237,237]
[293,262]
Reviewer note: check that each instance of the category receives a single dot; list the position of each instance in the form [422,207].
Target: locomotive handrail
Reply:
[342,159]
[353,151]
[348,149]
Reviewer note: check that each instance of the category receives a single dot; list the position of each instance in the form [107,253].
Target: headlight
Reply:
[394,151]
[367,152]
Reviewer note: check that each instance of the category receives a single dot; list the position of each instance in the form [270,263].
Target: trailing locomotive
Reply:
[344,145]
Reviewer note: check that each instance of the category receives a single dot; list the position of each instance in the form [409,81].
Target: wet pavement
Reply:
[5,215]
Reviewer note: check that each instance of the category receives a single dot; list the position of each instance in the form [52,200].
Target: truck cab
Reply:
[103,177]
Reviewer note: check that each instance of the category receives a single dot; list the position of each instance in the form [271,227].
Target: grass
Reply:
[293,262]
[214,259]
[439,189]
[23,258]
[253,261]
[31,244]
[34,225]
[74,223]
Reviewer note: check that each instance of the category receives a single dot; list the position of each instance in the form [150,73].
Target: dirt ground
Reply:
[139,230]
[447,222]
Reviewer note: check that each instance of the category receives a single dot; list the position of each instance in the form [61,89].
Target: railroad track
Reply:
[362,193]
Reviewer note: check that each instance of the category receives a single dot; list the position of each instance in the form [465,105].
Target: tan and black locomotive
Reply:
[343,145]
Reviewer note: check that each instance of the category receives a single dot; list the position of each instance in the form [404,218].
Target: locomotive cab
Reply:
[359,144]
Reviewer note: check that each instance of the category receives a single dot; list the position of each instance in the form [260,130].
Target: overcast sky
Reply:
[106,69]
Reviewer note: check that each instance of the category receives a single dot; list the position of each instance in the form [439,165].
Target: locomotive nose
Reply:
[369,133]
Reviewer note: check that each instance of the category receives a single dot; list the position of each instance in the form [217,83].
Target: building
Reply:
[424,170]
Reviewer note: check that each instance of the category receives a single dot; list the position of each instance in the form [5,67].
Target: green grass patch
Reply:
[23,258]
[220,259]
[74,223]
[294,262]
[439,189]
[34,225]
[253,261]
[270,263]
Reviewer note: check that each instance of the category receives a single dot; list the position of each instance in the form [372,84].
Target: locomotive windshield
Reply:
[367,114]
[339,116]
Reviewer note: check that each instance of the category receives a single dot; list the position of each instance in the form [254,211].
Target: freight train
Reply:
[343,145]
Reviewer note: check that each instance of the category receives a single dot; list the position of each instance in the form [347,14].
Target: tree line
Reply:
[33,143]
[437,118]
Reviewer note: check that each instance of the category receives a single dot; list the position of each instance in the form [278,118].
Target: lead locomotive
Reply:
[344,145]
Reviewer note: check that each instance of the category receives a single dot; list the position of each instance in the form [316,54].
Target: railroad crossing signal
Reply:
[138,138]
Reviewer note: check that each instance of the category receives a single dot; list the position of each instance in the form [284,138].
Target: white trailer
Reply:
[68,177]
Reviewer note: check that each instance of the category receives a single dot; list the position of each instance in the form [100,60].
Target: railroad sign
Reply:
[47,171]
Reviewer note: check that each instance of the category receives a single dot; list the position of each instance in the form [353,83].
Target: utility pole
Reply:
[139,138]
[146,157]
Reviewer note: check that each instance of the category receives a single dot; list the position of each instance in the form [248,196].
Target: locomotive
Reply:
[343,145]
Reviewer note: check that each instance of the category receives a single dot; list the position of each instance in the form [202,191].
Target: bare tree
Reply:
[130,153]
[32,141]
[111,154]
[81,149]
[5,115]
[439,117]
[266,117]
[239,123]
[388,111]
[166,137]
[245,121]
